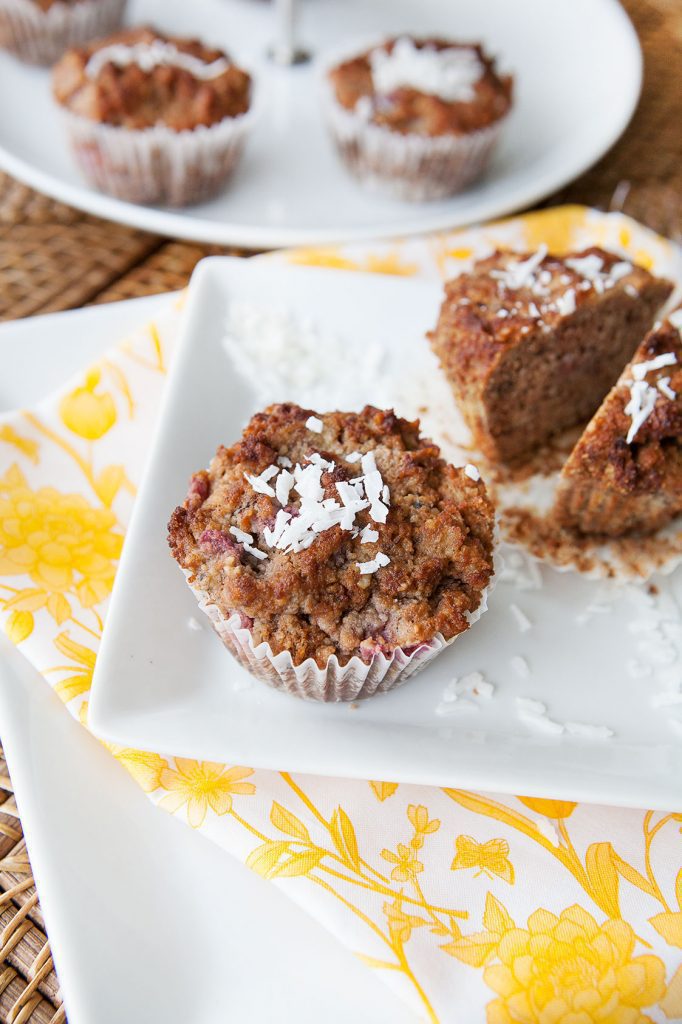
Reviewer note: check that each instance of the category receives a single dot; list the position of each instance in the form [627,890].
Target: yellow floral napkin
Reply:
[472,906]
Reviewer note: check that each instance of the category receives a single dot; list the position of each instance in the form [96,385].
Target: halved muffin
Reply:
[530,344]
[625,473]
[335,553]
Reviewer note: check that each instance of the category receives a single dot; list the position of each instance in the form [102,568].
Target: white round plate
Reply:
[578,73]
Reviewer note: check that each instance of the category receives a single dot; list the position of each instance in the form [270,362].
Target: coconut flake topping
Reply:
[450,73]
[643,396]
[296,531]
[148,56]
[472,472]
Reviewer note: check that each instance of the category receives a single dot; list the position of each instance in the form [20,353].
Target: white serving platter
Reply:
[161,685]
[199,932]
[578,71]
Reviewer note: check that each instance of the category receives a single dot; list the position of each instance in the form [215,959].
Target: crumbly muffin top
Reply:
[339,534]
[139,78]
[424,86]
[509,294]
[637,433]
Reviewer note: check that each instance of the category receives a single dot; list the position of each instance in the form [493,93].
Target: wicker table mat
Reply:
[54,258]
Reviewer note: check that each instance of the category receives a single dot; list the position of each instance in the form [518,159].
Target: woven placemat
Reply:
[53,258]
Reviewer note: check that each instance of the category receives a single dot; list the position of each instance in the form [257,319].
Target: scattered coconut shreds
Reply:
[529,706]
[639,408]
[520,273]
[374,565]
[522,620]
[667,699]
[284,460]
[454,707]
[589,732]
[247,541]
[194,624]
[294,533]
[472,472]
[314,424]
[520,666]
[663,385]
[368,535]
[640,370]
[353,457]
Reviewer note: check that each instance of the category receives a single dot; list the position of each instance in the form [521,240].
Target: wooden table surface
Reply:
[53,258]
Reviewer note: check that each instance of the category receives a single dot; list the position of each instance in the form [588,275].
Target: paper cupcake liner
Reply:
[41,37]
[412,167]
[157,165]
[355,680]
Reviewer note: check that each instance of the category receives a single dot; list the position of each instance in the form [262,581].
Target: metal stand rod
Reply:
[284,50]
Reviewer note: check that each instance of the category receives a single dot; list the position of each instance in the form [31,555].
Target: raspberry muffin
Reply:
[335,554]
[39,31]
[625,473]
[530,343]
[416,118]
[154,118]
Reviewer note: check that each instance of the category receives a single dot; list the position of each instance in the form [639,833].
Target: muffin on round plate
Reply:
[39,31]
[416,118]
[335,554]
[154,118]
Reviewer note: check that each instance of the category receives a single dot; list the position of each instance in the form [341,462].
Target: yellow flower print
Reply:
[59,540]
[382,790]
[564,969]
[79,683]
[401,924]
[86,411]
[491,858]
[19,626]
[25,445]
[407,866]
[550,808]
[200,785]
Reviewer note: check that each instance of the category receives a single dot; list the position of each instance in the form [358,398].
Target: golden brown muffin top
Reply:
[634,442]
[338,534]
[139,78]
[411,110]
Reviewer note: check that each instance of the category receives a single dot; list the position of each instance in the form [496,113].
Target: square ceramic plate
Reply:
[162,685]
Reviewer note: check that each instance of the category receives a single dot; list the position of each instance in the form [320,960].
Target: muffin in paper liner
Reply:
[41,37]
[158,165]
[355,680]
[412,167]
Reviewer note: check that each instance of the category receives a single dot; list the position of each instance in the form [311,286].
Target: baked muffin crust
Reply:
[371,586]
[132,91]
[625,473]
[409,110]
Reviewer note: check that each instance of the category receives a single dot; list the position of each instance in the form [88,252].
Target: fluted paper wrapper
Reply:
[353,681]
[41,37]
[413,167]
[158,165]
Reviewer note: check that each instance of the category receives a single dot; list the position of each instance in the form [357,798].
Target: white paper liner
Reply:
[41,37]
[622,559]
[157,165]
[355,680]
[412,167]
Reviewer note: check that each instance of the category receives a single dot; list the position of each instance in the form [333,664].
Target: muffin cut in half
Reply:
[154,118]
[625,473]
[530,344]
[335,554]
[416,118]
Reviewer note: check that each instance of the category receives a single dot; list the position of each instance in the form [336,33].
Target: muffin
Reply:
[530,344]
[625,473]
[335,554]
[416,118]
[154,118]
[39,31]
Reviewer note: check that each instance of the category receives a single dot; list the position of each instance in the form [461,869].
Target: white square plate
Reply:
[161,685]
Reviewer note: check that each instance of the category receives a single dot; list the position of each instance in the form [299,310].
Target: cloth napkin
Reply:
[473,906]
